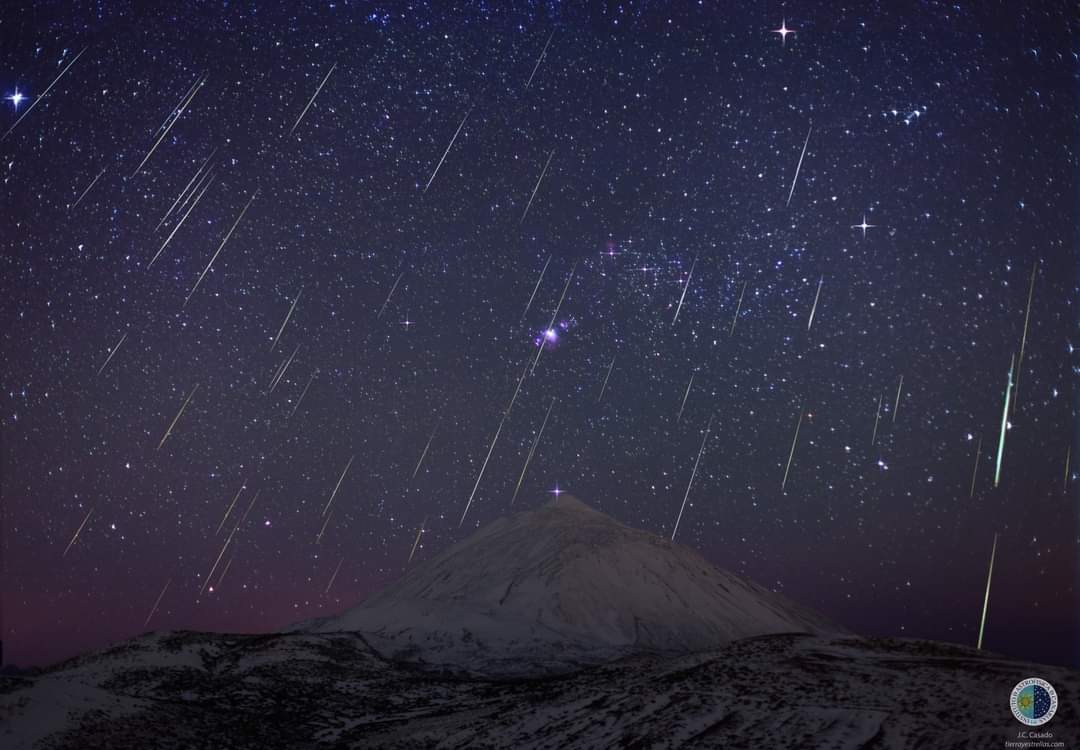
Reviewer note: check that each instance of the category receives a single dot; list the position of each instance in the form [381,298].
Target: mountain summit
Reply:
[562,585]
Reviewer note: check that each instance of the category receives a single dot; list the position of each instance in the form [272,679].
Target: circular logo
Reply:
[1033,701]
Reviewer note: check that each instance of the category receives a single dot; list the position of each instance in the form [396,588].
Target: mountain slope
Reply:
[188,691]
[563,585]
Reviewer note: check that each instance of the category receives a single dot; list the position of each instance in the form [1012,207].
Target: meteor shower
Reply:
[539,375]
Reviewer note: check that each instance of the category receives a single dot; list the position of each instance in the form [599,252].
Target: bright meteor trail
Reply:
[175,117]
[1023,340]
[693,474]
[312,100]
[177,418]
[439,165]
[799,166]
[338,485]
[814,308]
[1004,423]
[986,596]
[735,317]
[483,467]
[111,354]
[683,295]
[532,450]
[286,322]
[791,455]
[43,94]
[606,378]
[535,288]
[222,245]
[537,187]
[77,532]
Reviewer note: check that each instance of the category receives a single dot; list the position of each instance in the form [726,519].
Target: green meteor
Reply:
[1004,422]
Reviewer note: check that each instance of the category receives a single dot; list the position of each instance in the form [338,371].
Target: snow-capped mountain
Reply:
[562,585]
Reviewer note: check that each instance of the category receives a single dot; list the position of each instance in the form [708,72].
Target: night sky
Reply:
[646,154]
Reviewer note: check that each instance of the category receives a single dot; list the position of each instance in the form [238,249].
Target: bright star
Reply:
[783,31]
[16,99]
[556,492]
[864,226]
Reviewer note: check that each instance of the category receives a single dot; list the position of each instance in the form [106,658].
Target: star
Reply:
[864,226]
[16,99]
[783,31]
[556,492]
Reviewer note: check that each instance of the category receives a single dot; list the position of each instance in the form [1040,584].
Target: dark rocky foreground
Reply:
[198,690]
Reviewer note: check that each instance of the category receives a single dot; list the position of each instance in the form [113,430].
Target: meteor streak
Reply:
[692,475]
[426,446]
[312,100]
[685,395]
[175,117]
[791,455]
[539,60]
[1023,340]
[303,393]
[387,302]
[277,373]
[177,418]
[224,547]
[228,564]
[1004,423]
[814,308]
[77,532]
[535,288]
[231,506]
[537,187]
[43,94]
[185,190]
[156,603]
[338,485]
[517,390]
[333,577]
[286,321]
[227,236]
[482,468]
[419,533]
[685,287]
[88,187]
[172,112]
[896,407]
[554,316]
[799,166]
[206,186]
[111,353]
[877,418]
[975,469]
[319,536]
[532,450]
[986,596]
[606,378]
[439,165]
[284,368]
[250,506]
[1068,458]
[735,317]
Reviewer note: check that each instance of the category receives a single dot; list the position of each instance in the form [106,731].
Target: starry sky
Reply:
[273,276]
